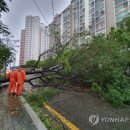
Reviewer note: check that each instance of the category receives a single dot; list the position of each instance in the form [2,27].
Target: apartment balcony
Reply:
[120,3]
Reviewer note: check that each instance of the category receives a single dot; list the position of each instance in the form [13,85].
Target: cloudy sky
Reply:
[19,9]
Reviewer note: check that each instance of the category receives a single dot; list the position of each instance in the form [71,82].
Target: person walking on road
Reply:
[12,75]
[21,77]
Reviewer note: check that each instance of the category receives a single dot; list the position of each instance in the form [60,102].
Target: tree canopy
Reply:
[5,51]
[102,61]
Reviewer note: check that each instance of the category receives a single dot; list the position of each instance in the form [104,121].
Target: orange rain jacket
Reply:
[21,77]
[13,78]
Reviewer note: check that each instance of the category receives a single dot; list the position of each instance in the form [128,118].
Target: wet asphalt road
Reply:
[79,106]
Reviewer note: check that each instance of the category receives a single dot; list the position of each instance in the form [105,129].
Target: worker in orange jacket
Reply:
[12,75]
[21,77]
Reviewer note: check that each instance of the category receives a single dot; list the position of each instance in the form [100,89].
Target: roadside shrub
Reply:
[126,97]
[115,98]
[37,99]
[96,88]
[41,95]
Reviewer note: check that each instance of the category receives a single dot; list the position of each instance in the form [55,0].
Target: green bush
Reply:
[41,95]
[37,99]
[96,88]
[115,98]
[126,97]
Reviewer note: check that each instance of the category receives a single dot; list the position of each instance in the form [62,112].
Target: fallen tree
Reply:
[100,62]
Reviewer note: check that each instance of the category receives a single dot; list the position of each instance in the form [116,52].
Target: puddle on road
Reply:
[14,106]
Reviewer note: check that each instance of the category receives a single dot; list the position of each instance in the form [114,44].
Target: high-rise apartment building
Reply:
[55,32]
[79,18]
[74,19]
[22,47]
[101,16]
[34,39]
[46,33]
[60,29]
[66,25]
[122,9]
[96,16]
[32,34]
[44,40]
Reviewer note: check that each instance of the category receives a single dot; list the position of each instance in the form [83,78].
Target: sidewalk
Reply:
[77,107]
[13,115]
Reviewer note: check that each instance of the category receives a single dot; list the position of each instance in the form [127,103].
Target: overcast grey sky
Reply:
[19,9]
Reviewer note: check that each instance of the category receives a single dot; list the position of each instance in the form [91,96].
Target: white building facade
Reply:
[80,18]
[36,38]
[22,47]
[32,34]
[55,32]
[66,25]
[101,16]
[94,16]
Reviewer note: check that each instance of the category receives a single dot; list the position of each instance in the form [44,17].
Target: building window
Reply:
[122,15]
[122,8]
[100,26]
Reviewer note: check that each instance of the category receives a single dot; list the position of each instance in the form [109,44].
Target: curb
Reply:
[37,122]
